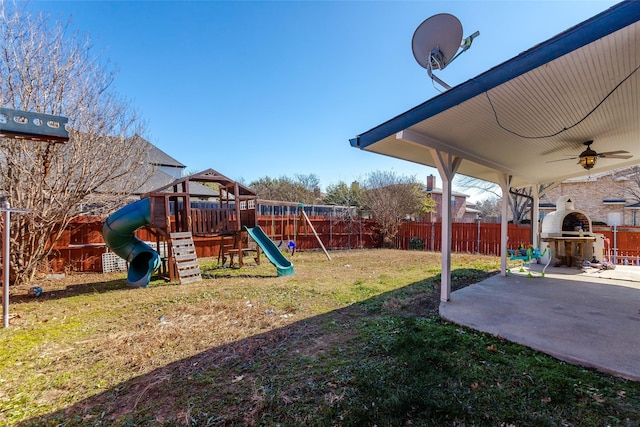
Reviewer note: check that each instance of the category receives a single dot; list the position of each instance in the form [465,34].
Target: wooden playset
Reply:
[225,208]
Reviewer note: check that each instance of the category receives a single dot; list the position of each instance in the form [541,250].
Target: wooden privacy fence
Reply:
[82,246]
[479,238]
[335,233]
[624,242]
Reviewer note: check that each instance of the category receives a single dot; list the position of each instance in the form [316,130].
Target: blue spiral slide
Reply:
[118,232]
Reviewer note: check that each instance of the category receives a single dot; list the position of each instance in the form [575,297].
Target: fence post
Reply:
[433,236]
[615,244]
[331,230]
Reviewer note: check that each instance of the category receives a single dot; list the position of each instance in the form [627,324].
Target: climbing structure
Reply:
[212,207]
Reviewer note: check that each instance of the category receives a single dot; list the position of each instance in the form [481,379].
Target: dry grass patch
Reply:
[245,347]
[89,333]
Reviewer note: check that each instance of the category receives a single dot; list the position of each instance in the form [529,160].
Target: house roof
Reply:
[159,157]
[157,179]
[211,175]
[522,117]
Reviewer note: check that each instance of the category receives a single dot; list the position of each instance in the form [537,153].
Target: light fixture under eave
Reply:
[588,157]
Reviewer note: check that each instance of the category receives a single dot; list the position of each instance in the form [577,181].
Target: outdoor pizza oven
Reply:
[568,234]
[565,221]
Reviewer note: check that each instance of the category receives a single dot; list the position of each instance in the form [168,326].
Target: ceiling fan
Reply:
[587,159]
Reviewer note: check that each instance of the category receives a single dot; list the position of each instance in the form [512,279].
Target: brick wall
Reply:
[457,210]
[588,197]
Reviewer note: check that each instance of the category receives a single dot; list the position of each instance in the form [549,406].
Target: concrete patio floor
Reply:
[590,318]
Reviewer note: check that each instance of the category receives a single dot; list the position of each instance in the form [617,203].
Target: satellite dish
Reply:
[436,41]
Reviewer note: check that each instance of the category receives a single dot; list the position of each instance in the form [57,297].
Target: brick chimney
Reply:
[431,182]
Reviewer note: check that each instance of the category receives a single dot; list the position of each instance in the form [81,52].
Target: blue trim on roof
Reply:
[601,25]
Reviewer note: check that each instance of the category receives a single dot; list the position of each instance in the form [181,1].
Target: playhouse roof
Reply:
[161,180]
[196,180]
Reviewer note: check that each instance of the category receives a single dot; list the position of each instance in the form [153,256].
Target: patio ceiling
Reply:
[525,115]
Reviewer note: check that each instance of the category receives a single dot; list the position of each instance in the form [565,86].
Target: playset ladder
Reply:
[186,260]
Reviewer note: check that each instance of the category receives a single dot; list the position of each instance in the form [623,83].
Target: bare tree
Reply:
[341,194]
[520,204]
[349,197]
[634,187]
[489,207]
[391,198]
[470,183]
[519,200]
[45,69]
[310,181]
[301,189]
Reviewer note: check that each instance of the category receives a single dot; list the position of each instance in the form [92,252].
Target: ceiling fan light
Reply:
[588,161]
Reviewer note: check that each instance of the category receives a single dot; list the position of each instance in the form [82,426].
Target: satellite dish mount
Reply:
[436,42]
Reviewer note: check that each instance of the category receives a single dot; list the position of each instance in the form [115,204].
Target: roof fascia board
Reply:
[601,25]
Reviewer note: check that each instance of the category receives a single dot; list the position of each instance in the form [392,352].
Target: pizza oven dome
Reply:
[565,220]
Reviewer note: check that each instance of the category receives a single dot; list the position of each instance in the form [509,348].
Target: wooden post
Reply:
[236,197]
[314,231]
[6,240]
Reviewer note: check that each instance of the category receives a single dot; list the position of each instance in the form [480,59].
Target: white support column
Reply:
[447,165]
[505,185]
[535,214]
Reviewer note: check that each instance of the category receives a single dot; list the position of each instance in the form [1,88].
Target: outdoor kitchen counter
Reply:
[572,251]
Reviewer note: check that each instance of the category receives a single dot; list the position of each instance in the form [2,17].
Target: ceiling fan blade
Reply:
[566,146]
[609,153]
[562,160]
[614,156]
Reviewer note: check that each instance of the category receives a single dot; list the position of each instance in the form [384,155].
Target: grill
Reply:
[568,233]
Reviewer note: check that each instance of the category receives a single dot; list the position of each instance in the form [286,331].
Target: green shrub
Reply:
[416,243]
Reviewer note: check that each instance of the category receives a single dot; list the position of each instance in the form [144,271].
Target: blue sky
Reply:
[267,88]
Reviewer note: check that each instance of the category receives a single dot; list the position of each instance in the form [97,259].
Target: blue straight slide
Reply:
[282,264]
[118,232]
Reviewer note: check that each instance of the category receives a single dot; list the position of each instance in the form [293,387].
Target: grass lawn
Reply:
[355,341]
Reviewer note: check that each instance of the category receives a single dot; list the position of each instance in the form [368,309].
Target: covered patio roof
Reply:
[525,115]
[524,122]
